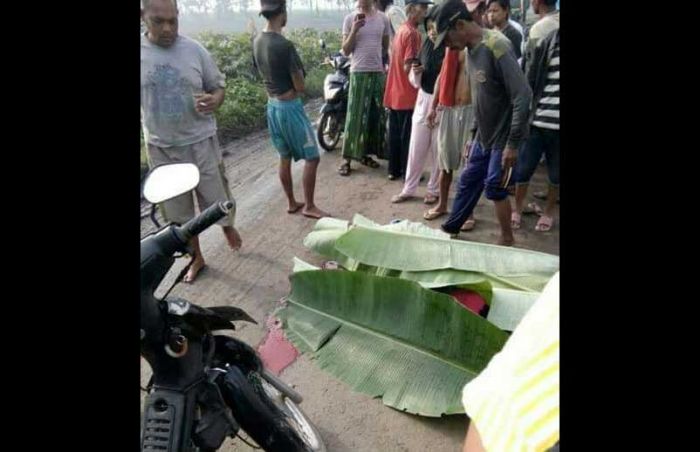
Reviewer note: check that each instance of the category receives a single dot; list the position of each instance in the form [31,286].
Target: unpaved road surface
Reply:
[256,278]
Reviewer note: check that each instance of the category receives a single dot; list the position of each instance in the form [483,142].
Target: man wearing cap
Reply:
[181,87]
[399,94]
[502,104]
[282,71]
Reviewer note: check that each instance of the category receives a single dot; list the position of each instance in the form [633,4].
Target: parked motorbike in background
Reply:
[335,96]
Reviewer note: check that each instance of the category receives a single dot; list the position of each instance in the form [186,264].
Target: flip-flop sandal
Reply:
[400,198]
[515,219]
[532,209]
[430,199]
[431,215]
[344,169]
[468,225]
[544,224]
[369,161]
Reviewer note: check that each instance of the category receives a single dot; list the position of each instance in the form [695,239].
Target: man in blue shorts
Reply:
[282,71]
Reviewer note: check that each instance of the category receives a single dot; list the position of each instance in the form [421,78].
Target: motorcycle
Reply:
[205,387]
[335,95]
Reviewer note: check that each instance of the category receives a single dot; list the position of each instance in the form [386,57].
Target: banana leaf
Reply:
[410,252]
[390,338]
[429,280]
[508,307]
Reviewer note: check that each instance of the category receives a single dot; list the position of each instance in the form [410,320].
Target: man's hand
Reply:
[510,156]
[357,24]
[418,69]
[432,117]
[467,150]
[207,103]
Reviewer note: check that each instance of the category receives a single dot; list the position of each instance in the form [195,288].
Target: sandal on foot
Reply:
[532,209]
[432,215]
[369,161]
[468,225]
[400,198]
[430,199]
[544,224]
[515,219]
[344,169]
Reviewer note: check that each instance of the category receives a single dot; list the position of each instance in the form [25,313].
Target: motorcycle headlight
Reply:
[329,92]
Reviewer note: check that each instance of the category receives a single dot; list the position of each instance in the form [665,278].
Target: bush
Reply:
[243,109]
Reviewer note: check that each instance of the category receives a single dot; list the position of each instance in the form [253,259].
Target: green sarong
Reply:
[365,123]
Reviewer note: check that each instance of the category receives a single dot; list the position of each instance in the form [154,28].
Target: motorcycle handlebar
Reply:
[211,215]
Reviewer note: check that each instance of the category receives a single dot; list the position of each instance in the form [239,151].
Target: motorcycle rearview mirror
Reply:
[322,43]
[169,181]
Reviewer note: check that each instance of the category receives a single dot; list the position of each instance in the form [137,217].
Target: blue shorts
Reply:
[290,130]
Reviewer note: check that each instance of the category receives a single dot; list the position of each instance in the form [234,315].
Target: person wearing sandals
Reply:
[423,144]
[542,71]
[291,133]
[502,99]
[454,102]
[366,33]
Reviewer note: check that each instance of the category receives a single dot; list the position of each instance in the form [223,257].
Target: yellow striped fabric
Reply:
[514,402]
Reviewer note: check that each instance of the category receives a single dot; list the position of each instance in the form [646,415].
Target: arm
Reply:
[520,96]
[350,29]
[213,82]
[296,69]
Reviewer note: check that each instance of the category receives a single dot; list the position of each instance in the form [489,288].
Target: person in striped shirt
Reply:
[542,71]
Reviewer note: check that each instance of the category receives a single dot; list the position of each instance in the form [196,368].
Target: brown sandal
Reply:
[344,169]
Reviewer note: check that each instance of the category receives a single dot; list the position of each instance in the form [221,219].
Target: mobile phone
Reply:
[361,16]
[414,61]
[505,179]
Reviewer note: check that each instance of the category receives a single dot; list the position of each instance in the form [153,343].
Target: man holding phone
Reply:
[399,95]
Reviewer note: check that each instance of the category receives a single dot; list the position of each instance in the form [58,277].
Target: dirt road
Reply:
[256,277]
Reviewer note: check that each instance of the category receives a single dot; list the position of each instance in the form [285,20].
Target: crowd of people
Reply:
[478,94]
[475,92]
[470,91]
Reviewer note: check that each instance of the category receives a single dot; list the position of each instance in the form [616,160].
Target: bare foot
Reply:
[197,265]
[314,212]
[506,241]
[233,237]
[294,208]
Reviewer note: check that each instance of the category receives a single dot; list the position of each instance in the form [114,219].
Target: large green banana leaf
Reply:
[417,241]
[508,307]
[410,252]
[389,337]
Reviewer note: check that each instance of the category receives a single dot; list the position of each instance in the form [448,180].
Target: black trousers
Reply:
[398,138]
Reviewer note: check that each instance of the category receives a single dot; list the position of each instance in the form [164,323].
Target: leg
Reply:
[499,195]
[311,210]
[418,151]
[441,208]
[406,127]
[528,159]
[355,127]
[394,144]
[552,155]
[469,189]
[213,186]
[285,175]
[433,182]
[197,263]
